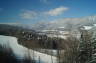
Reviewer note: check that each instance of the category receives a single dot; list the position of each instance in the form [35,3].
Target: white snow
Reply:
[59,36]
[87,27]
[48,30]
[21,51]
[61,27]
[64,32]
[94,24]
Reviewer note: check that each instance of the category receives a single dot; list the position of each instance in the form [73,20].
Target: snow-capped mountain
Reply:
[61,24]
[66,23]
[62,27]
[67,26]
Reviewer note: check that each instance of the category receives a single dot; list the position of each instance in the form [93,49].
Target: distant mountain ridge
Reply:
[67,23]
[59,24]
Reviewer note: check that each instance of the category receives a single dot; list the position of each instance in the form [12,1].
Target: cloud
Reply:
[28,14]
[56,11]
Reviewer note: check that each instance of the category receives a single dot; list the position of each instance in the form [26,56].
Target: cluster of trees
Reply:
[81,50]
[70,50]
[34,40]
[87,48]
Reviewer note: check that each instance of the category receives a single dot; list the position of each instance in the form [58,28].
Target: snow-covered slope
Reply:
[20,51]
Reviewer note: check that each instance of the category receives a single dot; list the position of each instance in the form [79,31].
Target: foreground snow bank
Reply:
[20,51]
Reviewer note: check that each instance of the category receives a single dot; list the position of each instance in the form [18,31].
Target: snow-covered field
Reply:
[21,51]
[60,36]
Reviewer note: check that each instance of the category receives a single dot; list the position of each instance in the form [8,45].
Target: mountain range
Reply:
[66,23]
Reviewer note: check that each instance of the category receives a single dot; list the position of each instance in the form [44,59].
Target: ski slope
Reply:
[21,51]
